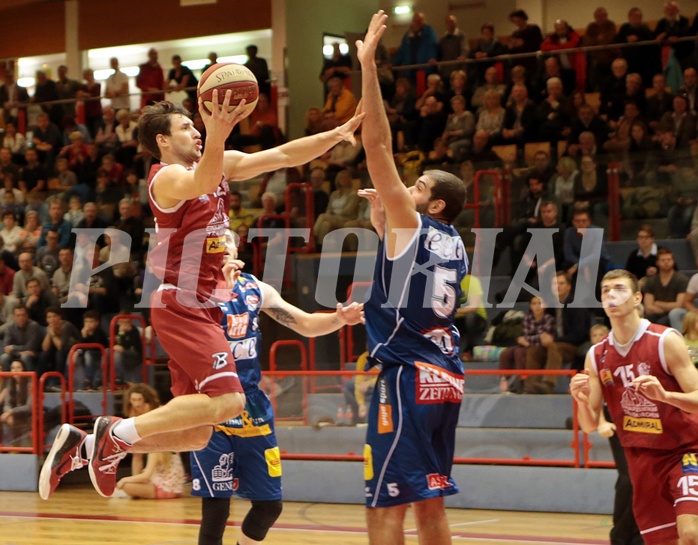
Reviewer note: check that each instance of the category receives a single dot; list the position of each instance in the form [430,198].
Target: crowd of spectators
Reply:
[549,116]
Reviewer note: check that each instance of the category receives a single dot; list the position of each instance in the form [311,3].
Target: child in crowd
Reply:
[74,215]
[597,333]
[128,353]
[91,359]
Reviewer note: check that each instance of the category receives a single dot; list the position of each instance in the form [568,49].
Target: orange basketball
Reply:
[224,76]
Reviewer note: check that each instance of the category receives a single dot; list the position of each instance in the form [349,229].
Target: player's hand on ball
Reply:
[579,387]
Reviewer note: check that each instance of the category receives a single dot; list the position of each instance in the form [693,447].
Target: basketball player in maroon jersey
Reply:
[190,199]
[644,373]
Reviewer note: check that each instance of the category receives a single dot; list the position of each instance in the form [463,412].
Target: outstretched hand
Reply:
[351,314]
[366,48]
[348,130]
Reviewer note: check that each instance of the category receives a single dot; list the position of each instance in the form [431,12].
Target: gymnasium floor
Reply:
[76,515]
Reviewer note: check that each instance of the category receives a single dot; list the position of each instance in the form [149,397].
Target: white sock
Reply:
[126,431]
[88,444]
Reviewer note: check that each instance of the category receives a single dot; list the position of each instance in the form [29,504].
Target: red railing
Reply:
[39,423]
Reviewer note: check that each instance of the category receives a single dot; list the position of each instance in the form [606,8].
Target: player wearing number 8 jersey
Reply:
[411,332]
[644,373]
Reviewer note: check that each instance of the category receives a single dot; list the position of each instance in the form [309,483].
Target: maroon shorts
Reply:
[200,358]
[665,485]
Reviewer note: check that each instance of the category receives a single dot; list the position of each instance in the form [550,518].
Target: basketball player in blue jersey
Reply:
[411,332]
[242,458]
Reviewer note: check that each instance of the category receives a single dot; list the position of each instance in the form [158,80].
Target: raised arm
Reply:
[377,139]
[303,323]
[243,166]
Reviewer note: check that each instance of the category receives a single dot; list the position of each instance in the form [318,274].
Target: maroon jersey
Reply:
[191,239]
[642,422]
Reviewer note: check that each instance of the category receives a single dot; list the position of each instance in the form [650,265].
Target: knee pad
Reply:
[214,516]
[261,518]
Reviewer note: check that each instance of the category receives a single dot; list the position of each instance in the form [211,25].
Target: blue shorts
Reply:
[411,435]
[242,458]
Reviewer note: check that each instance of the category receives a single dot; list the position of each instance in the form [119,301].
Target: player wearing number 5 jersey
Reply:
[411,332]
[644,373]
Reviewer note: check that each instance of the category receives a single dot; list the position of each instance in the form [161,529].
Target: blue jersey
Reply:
[242,457]
[241,327]
[414,297]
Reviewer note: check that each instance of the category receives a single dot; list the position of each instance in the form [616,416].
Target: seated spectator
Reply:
[358,391]
[15,142]
[527,38]
[643,261]
[471,316]
[619,139]
[46,139]
[56,223]
[553,115]
[571,331]
[162,475]
[562,185]
[460,127]
[107,196]
[33,175]
[591,186]
[91,219]
[342,156]
[313,121]
[659,102]
[432,123]
[491,83]
[540,268]
[639,162]
[237,214]
[361,227]
[59,339]
[536,321]
[106,134]
[486,46]
[22,340]
[91,359]
[519,126]
[491,117]
[275,183]
[264,128]
[47,256]
[128,353]
[613,87]
[38,300]
[690,334]
[552,69]
[403,115]
[74,215]
[127,138]
[586,122]
[341,102]
[665,292]
[70,125]
[63,181]
[9,185]
[27,270]
[634,92]
[434,89]
[439,156]
[643,59]
[16,409]
[576,261]
[343,206]
[30,233]
[11,232]
[681,122]
[457,88]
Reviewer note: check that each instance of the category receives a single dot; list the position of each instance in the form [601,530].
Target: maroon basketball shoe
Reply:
[107,453]
[63,458]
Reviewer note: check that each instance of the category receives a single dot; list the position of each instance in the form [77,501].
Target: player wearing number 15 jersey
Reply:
[644,373]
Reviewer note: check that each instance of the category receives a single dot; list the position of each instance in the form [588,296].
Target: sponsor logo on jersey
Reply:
[442,338]
[219,223]
[237,325]
[203,198]
[222,474]
[245,284]
[215,245]
[220,360]
[437,482]
[436,385]
[245,426]
[273,458]
[444,245]
[368,464]
[689,464]
[245,349]
[641,414]
[236,484]
[385,411]
[252,301]
[606,377]
[642,425]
